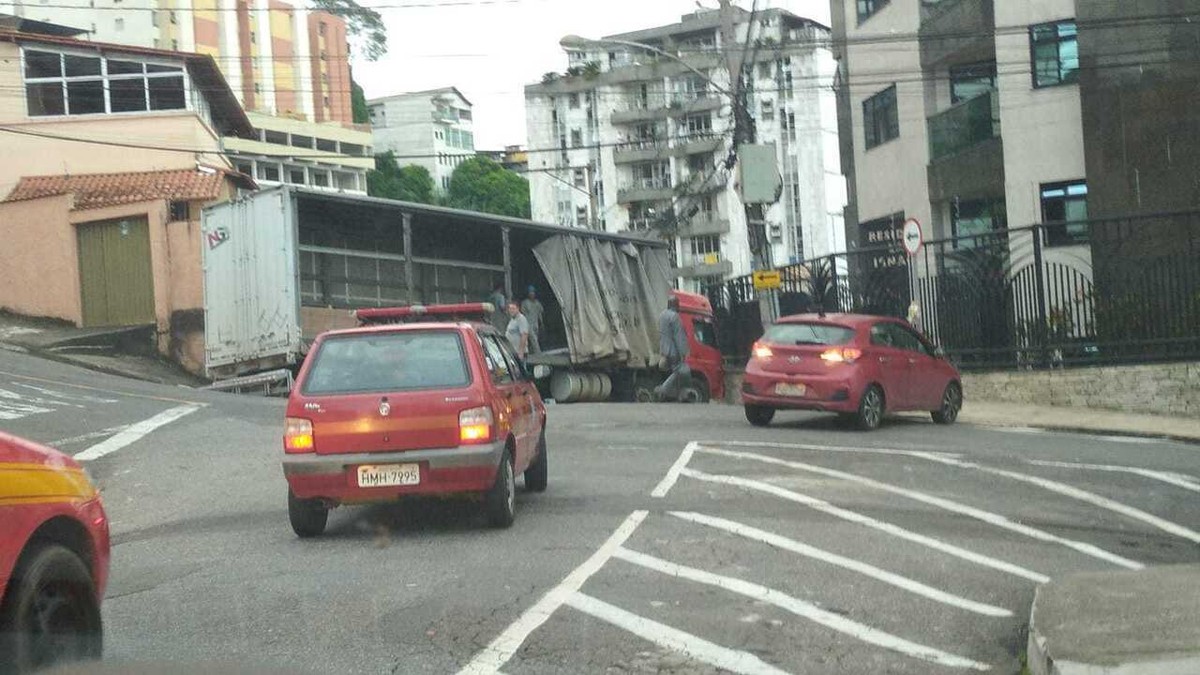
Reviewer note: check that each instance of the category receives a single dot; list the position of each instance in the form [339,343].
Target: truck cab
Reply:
[704,356]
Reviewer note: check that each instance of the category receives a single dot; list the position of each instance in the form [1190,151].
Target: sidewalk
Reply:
[1085,420]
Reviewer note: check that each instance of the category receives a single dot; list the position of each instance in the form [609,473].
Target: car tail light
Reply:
[761,351]
[475,425]
[846,355]
[298,435]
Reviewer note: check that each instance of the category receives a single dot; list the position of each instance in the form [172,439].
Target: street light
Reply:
[579,44]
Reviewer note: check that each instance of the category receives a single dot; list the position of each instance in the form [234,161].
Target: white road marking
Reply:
[81,398]
[823,448]
[894,530]
[1136,440]
[942,503]
[89,436]
[135,432]
[1079,494]
[733,660]
[12,407]
[493,657]
[664,486]
[800,608]
[1177,479]
[779,541]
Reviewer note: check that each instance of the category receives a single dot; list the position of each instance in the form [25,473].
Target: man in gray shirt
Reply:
[517,331]
[673,348]
[533,310]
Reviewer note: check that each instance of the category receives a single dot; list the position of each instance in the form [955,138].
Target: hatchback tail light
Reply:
[298,435]
[475,425]
[841,355]
[761,351]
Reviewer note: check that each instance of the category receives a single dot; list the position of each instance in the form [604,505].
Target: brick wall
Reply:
[1167,389]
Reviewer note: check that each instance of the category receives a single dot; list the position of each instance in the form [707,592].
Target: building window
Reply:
[173,19]
[576,138]
[253,38]
[246,168]
[881,119]
[321,28]
[269,172]
[177,211]
[573,100]
[175,45]
[698,125]
[976,217]
[320,178]
[706,249]
[119,25]
[445,182]
[1055,50]
[868,8]
[580,178]
[581,216]
[295,175]
[464,114]
[971,80]
[66,84]
[1064,211]
[766,109]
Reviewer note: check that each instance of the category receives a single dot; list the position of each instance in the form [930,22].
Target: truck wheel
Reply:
[50,613]
[538,475]
[759,415]
[696,392]
[308,516]
[500,504]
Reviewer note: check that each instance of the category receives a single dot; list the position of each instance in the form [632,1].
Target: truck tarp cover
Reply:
[611,295]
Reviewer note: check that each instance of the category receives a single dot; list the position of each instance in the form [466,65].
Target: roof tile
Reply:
[98,190]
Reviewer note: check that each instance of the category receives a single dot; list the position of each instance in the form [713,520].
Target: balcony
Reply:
[705,266]
[966,124]
[641,111]
[657,188]
[703,182]
[641,150]
[961,31]
[695,143]
[705,223]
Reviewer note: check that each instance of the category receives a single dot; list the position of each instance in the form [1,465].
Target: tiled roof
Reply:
[97,190]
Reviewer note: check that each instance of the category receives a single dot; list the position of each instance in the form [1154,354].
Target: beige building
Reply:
[323,156]
[107,155]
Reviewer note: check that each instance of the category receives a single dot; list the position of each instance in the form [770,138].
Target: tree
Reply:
[388,180]
[358,102]
[362,23]
[479,184]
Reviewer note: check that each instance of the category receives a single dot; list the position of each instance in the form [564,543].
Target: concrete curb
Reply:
[1090,431]
[64,358]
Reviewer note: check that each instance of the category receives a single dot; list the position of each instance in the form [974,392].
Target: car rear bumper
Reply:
[828,394]
[470,468]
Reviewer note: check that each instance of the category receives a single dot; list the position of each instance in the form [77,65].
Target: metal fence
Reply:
[1120,290]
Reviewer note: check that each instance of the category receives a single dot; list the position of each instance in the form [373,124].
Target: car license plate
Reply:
[386,475]
[783,389]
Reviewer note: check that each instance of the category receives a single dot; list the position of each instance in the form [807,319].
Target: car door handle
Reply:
[885,359]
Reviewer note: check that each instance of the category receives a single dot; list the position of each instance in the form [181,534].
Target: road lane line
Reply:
[88,436]
[1177,479]
[733,660]
[80,398]
[822,448]
[135,432]
[894,530]
[779,541]
[102,390]
[664,486]
[942,503]
[493,657]
[1079,494]
[800,608]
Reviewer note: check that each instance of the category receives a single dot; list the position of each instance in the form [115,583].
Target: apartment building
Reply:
[432,128]
[289,66]
[643,139]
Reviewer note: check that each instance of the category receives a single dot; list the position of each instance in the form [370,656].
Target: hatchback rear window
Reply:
[383,362]
[808,334]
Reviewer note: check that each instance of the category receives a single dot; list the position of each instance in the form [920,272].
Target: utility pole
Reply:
[593,197]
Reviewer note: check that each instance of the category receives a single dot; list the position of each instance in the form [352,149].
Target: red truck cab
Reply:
[704,356]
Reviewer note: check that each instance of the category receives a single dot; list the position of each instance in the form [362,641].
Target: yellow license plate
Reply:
[783,389]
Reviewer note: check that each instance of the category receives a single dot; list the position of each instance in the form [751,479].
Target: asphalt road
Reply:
[672,539]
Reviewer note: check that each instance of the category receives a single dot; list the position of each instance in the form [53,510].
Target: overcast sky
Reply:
[491,51]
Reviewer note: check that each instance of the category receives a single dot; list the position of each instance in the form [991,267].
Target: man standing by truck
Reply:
[673,350]
[533,310]
[518,332]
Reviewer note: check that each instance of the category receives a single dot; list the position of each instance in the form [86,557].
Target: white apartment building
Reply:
[968,120]
[432,128]
[642,140]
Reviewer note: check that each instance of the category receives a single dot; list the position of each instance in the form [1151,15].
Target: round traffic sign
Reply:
[912,237]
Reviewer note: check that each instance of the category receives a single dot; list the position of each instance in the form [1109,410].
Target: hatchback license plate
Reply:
[783,389]
[387,475]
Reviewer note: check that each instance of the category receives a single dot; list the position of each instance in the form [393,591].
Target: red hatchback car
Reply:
[54,552]
[857,366]
[430,408]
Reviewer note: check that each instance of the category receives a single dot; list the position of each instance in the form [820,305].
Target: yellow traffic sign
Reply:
[767,280]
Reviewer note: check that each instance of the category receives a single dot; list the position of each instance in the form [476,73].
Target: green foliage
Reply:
[479,184]
[550,77]
[388,180]
[358,103]
[362,23]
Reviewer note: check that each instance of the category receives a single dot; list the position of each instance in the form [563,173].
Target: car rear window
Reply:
[808,334]
[382,362]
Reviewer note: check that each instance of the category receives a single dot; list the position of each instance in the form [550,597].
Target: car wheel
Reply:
[538,473]
[51,613]
[759,415]
[951,403]
[870,409]
[501,500]
[308,516]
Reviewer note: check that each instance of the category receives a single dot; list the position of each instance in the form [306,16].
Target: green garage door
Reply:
[115,276]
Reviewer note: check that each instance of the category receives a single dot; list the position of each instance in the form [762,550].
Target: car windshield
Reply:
[388,362]
[808,334]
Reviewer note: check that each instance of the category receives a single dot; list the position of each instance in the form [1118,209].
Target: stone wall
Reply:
[1166,389]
